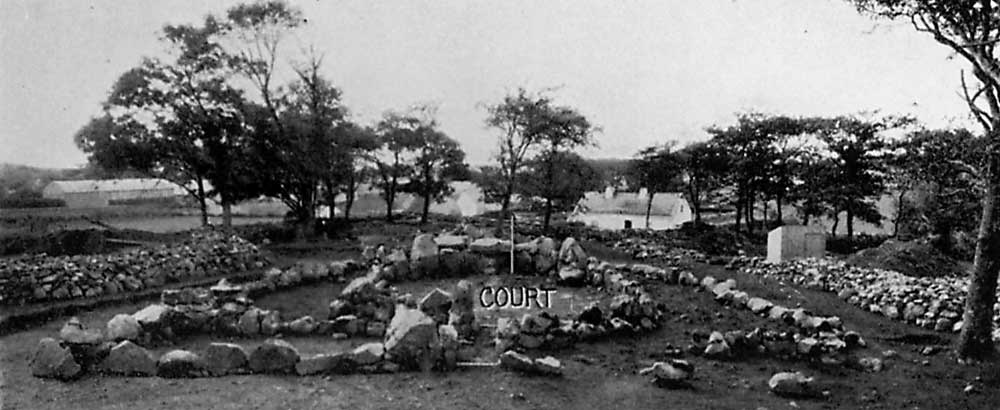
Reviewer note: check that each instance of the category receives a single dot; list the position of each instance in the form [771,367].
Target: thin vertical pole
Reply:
[511,243]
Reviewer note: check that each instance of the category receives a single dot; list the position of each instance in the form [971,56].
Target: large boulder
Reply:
[412,339]
[324,364]
[274,356]
[129,359]
[153,317]
[368,353]
[179,363]
[123,327]
[787,384]
[52,360]
[424,256]
[572,275]
[303,325]
[74,332]
[489,246]
[225,358]
[572,254]
[249,323]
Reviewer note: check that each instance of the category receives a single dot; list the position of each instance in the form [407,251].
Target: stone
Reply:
[303,325]
[671,374]
[572,275]
[249,323]
[572,254]
[123,327]
[339,307]
[591,314]
[511,360]
[717,347]
[129,359]
[411,339]
[452,241]
[274,356]
[436,304]
[547,256]
[791,242]
[75,332]
[179,363]
[707,282]
[759,305]
[225,358]
[153,316]
[870,364]
[324,364]
[687,278]
[787,384]
[547,365]
[270,322]
[368,353]
[375,329]
[424,255]
[808,346]
[489,246]
[51,360]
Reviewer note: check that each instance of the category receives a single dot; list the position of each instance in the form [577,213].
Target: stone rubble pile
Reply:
[649,249]
[931,303]
[42,278]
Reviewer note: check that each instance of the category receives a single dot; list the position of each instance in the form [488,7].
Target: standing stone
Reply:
[51,360]
[225,358]
[424,256]
[462,313]
[572,254]
[129,359]
[547,257]
[274,356]
[179,363]
[123,327]
[412,339]
[449,346]
[795,242]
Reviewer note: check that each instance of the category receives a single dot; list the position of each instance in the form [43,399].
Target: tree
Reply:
[518,119]
[859,153]
[559,129]
[354,146]
[970,29]
[560,179]
[658,168]
[705,165]
[945,166]
[179,120]
[439,160]
[399,138]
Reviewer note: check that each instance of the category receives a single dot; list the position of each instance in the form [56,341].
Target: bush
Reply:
[844,245]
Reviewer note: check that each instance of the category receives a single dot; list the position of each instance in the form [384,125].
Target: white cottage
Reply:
[611,210]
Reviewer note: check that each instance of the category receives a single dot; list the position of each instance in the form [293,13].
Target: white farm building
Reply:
[612,211]
[96,193]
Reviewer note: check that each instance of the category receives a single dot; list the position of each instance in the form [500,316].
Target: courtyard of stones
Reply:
[432,316]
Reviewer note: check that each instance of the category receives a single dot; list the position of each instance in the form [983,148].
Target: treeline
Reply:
[826,167]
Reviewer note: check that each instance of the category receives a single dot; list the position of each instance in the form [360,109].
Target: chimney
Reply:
[609,192]
[643,192]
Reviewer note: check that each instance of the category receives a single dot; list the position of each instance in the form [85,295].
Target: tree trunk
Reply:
[739,211]
[227,214]
[427,207]
[899,214]
[202,202]
[548,214]
[976,341]
[352,188]
[749,210]
[649,207]
[781,215]
[836,221]
[850,220]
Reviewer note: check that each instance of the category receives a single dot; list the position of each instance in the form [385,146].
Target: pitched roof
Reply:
[110,185]
[630,203]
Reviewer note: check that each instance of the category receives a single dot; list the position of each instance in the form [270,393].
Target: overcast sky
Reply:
[645,71]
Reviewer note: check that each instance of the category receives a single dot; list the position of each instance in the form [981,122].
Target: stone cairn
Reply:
[931,303]
[42,278]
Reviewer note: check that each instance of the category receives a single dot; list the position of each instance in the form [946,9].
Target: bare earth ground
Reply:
[598,375]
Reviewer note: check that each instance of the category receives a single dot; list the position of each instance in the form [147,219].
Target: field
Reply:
[601,374]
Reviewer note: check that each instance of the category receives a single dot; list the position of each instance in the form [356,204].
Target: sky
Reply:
[644,71]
